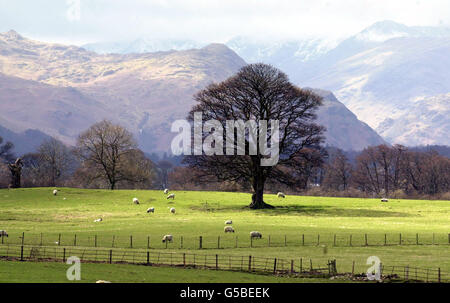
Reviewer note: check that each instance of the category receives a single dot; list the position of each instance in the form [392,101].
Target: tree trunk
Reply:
[258,193]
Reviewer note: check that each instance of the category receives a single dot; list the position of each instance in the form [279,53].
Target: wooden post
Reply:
[95,240]
[285,240]
[301,265]
[400,239]
[59,239]
[184,259]
[217,262]
[64,255]
[417,239]
[385,239]
[200,240]
[23,238]
[110,256]
[131,241]
[303,239]
[310,264]
[292,266]
[250,263]
[350,240]
[274,265]
[148,257]
[21,253]
[439,275]
[148,242]
[334,240]
[365,238]
[75,240]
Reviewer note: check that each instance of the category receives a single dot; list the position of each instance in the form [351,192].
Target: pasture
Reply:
[316,228]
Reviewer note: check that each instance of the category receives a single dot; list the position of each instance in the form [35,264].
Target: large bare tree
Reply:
[109,152]
[258,92]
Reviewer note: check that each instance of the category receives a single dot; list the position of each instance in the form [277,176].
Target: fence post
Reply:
[318,239]
[400,239]
[292,266]
[250,263]
[131,241]
[110,256]
[59,240]
[148,257]
[75,240]
[21,253]
[200,240]
[310,264]
[303,239]
[334,240]
[23,238]
[64,254]
[301,265]
[365,239]
[217,262]
[274,265]
[439,275]
[148,242]
[417,239]
[184,259]
[385,239]
[95,241]
[350,240]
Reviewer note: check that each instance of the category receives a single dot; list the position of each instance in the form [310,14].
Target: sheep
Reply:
[135,201]
[102,281]
[166,191]
[281,195]
[384,200]
[171,196]
[228,229]
[255,234]
[167,238]
[55,192]
[172,210]
[98,220]
[151,210]
[228,222]
[3,233]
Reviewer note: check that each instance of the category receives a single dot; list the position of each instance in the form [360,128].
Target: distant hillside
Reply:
[25,142]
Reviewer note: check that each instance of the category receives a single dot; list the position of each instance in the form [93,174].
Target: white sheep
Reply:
[172,210]
[102,281]
[255,234]
[98,220]
[171,196]
[384,200]
[281,195]
[3,233]
[228,229]
[167,238]
[150,210]
[166,191]
[135,201]
[228,222]
[55,192]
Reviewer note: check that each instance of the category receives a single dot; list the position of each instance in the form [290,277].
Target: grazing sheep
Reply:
[98,220]
[171,196]
[228,222]
[166,191]
[151,210]
[167,238]
[135,201]
[228,229]
[102,281]
[281,195]
[3,233]
[172,210]
[255,234]
[55,192]
[384,200]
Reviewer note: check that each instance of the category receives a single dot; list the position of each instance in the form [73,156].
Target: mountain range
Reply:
[388,74]
[61,90]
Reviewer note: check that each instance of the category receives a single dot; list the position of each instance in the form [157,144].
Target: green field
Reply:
[299,227]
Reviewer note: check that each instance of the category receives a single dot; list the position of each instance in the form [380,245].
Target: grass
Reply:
[51,272]
[35,211]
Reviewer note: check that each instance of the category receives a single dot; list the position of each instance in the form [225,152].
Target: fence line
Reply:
[227,241]
[254,264]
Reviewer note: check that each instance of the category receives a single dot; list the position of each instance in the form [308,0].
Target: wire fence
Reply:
[300,267]
[224,241]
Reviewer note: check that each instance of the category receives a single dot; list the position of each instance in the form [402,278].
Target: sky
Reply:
[86,21]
